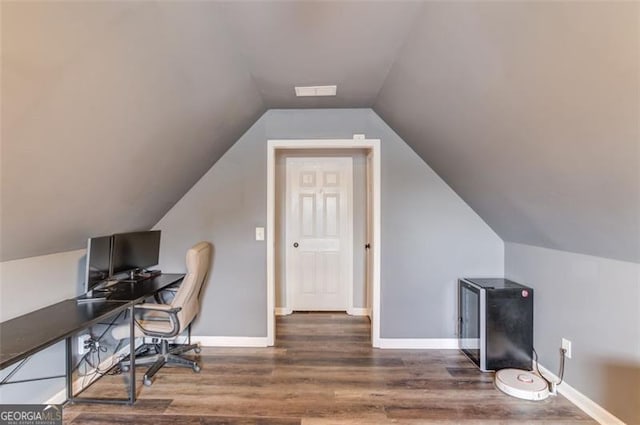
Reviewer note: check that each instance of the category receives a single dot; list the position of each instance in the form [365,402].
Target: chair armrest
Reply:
[158,295]
[157,307]
[172,314]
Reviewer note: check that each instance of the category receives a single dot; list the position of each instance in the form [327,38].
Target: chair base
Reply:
[165,355]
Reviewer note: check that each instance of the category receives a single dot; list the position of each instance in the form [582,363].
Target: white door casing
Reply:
[319,233]
[369,238]
[280,145]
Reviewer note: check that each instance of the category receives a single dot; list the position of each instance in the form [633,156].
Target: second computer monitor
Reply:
[132,251]
[98,261]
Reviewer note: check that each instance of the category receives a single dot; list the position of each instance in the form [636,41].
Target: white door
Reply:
[319,233]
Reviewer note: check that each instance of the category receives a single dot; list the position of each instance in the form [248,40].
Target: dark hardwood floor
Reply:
[322,371]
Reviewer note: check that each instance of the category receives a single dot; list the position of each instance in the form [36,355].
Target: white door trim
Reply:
[348,246]
[373,145]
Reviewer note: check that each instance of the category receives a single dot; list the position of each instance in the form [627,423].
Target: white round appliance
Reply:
[522,384]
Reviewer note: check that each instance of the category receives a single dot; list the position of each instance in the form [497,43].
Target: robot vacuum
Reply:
[522,384]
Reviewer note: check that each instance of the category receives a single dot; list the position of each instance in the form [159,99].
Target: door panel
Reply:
[319,232]
[307,215]
[331,215]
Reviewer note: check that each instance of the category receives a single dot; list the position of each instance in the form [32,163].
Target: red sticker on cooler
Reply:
[525,293]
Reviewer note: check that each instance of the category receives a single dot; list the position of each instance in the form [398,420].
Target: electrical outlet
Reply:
[566,344]
[82,339]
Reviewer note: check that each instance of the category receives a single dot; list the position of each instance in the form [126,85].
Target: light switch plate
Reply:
[259,233]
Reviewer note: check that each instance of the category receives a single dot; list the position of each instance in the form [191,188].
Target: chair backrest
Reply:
[188,294]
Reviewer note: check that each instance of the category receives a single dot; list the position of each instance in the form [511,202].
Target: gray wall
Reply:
[32,283]
[595,303]
[27,285]
[430,237]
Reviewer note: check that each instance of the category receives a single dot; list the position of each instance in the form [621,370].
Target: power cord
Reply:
[552,385]
[94,348]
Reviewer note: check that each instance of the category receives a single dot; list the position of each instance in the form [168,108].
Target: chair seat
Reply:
[154,324]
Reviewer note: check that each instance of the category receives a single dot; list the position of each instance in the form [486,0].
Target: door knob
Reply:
[295,244]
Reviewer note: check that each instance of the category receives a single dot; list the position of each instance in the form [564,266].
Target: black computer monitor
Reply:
[98,261]
[132,251]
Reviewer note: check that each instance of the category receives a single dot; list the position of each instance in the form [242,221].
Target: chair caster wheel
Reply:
[197,350]
[196,368]
[146,382]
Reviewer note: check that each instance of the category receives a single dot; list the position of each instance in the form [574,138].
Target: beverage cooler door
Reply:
[469,320]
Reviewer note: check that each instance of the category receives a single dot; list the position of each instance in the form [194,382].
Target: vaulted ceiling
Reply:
[111,111]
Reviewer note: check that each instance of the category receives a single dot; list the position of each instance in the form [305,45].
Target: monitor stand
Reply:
[91,300]
[104,286]
[93,296]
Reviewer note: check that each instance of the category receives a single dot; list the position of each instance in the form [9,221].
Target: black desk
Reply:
[139,291]
[25,335]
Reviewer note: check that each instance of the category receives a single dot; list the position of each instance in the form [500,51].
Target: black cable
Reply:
[114,361]
[535,359]
[561,372]
[86,355]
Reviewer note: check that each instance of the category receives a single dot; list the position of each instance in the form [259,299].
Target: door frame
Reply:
[348,294]
[371,145]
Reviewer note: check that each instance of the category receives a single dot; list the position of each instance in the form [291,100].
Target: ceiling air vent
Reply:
[303,91]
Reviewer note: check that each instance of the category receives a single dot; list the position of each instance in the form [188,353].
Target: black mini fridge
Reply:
[496,323]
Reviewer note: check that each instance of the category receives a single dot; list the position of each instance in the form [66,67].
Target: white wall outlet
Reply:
[82,339]
[566,344]
[259,233]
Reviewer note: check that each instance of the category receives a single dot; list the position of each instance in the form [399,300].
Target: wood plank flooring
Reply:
[322,371]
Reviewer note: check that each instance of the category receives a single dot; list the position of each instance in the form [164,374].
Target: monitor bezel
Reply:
[88,262]
[114,239]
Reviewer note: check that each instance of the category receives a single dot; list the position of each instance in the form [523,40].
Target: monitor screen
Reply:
[98,260]
[135,250]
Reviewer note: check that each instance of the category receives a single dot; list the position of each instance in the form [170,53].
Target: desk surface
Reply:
[22,336]
[136,292]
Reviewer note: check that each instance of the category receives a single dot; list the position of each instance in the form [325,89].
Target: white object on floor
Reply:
[521,384]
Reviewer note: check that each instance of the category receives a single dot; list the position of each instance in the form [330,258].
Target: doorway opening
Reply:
[323,250]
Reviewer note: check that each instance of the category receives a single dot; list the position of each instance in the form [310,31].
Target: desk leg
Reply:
[69,368]
[132,357]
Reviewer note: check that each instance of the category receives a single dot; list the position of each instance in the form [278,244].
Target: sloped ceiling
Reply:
[530,111]
[111,112]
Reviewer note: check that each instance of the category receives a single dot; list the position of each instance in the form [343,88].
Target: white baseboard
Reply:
[353,311]
[230,341]
[419,343]
[583,402]
[61,396]
[358,311]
